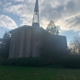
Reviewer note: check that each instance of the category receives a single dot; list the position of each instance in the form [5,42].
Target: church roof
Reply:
[22,27]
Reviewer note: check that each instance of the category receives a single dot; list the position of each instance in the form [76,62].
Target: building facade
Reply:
[27,41]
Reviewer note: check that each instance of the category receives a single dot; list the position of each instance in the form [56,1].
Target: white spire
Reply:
[36,15]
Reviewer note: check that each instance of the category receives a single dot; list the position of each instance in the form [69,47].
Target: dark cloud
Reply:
[70,5]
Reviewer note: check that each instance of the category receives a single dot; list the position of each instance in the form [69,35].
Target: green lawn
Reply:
[38,73]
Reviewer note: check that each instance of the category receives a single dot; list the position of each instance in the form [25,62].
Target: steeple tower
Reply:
[36,15]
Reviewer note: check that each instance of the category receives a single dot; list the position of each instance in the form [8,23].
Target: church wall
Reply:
[27,42]
[55,44]
[37,41]
[20,45]
[16,45]
[12,46]
[21,42]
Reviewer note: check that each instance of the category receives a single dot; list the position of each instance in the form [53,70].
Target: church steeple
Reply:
[36,15]
[36,7]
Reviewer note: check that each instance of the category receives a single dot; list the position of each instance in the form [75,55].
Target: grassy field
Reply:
[38,73]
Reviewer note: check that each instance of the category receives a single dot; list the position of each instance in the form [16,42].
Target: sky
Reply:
[64,13]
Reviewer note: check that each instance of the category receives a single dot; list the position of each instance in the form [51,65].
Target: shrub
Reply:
[25,62]
[71,61]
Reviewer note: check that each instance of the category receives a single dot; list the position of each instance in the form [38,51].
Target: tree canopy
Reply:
[51,28]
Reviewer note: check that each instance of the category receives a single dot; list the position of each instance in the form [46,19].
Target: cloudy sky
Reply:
[65,14]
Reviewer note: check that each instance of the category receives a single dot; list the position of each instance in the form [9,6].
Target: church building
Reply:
[27,41]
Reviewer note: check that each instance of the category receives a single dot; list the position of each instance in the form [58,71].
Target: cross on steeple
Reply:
[36,15]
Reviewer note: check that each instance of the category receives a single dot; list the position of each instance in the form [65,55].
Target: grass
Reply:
[38,73]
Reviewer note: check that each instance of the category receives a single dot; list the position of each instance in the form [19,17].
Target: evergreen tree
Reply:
[4,45]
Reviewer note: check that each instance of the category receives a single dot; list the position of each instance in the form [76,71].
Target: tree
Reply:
[0,44]
[75,45]
[51,28]
[4,45]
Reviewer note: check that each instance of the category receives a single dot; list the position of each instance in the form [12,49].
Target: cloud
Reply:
[2,31]
[19,0]
[0,2]
[23,11]
[62,12]
[7,22]
[71,23]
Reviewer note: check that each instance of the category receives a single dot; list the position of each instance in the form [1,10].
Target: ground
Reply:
[38,73]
